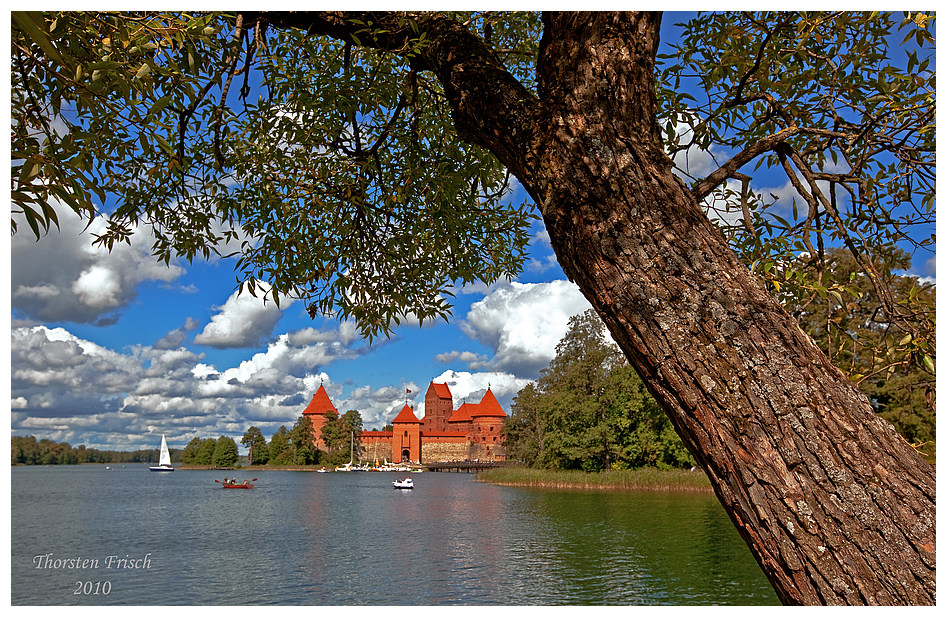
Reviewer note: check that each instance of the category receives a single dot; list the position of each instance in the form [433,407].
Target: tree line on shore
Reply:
[27,450]
[590,411]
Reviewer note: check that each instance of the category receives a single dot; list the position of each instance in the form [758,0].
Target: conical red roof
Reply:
[320,404]
[406,416]
[489,406]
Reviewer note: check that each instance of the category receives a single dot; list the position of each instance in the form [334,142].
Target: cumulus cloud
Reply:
[379,406]
[175,337]
[346,334]
[70,389]
[68,279]
[244,320]
[523,323]
[468,357]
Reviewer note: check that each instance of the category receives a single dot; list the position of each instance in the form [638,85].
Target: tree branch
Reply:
[489,107]
[703,188]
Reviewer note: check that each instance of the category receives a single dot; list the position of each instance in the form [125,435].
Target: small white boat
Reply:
[403,483]
[164,460]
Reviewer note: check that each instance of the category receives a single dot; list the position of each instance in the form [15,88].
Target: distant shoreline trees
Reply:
[294,446]
[27,450]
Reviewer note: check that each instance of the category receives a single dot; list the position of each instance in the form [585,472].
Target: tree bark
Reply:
[837,507]
[834,504]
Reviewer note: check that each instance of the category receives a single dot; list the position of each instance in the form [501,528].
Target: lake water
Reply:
[303,538]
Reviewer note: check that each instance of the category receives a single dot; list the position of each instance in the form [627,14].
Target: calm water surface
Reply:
[303,538]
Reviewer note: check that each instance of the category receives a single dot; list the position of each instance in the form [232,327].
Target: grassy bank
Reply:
[625,479]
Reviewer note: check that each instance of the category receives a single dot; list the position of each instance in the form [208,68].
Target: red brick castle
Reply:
[470,432]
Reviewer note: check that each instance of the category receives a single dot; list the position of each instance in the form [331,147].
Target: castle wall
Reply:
[441,451]
[318,421]
[376,445]
[487,452]
[406,443]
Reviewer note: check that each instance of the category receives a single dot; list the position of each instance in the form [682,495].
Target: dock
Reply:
[469,466]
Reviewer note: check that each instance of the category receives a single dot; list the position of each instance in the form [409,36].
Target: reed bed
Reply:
[624,479]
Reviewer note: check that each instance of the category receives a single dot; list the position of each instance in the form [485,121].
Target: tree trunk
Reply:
[834,504]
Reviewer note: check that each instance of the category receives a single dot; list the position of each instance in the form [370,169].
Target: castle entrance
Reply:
[406,455]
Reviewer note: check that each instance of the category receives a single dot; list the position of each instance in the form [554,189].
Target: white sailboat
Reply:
[164,460]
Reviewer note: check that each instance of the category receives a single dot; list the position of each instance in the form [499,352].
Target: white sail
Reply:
[165,459]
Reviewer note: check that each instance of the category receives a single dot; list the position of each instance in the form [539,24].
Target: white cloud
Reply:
[378,407]
[175,337]
[63,277]
[39,291]
[523,323]
[244,320]
[70,389]
[468,357]
[99,287]
[345,334]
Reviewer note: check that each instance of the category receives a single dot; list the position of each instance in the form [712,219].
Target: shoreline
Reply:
[643,479]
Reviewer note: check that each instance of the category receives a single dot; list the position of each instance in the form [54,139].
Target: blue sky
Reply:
[111,350]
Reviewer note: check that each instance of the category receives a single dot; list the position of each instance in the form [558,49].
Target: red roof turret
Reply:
[320,404]
[406,416]
[489,406]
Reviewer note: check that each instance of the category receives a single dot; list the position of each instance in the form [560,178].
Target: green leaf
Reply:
[33,25]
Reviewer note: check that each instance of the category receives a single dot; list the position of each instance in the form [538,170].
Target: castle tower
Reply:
[316,411]
[438,407]
[406,437]
[486,432]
